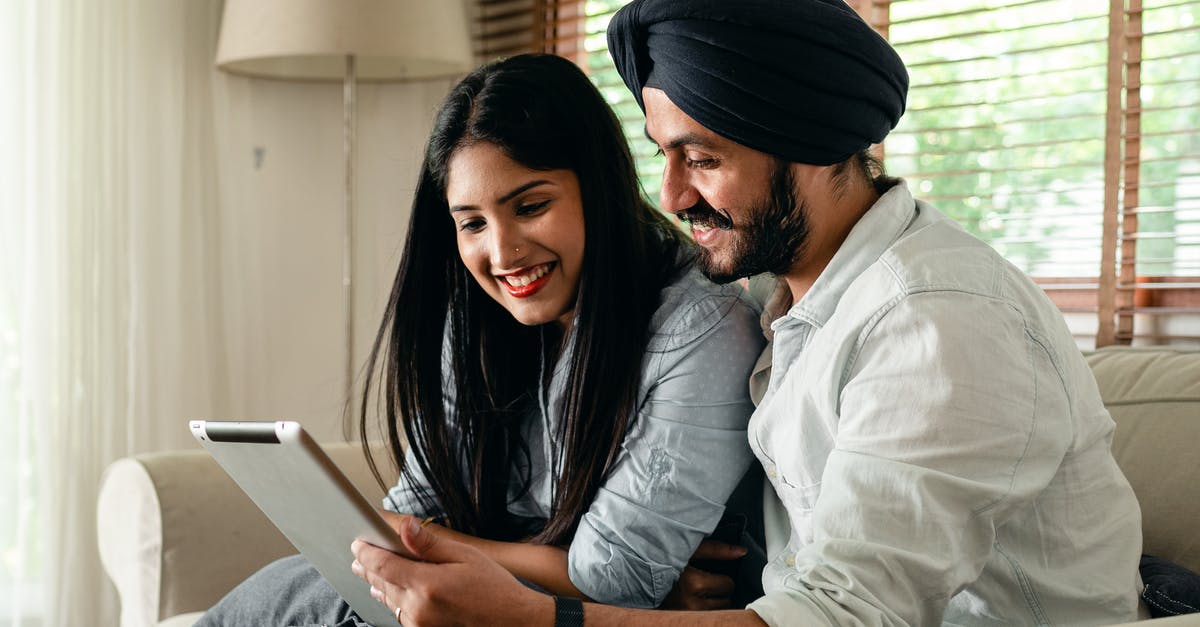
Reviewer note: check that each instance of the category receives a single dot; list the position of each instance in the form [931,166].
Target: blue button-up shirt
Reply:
[937,443]
[679,462]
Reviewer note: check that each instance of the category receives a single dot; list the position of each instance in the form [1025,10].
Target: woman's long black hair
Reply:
[545,114]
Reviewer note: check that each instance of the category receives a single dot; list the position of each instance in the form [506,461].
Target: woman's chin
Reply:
[532,316]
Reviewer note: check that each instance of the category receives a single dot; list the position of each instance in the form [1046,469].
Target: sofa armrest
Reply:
[176,533]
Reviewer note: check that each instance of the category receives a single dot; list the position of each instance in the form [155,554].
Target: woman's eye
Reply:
[702,164]
[659,152]
[531,208]
[470,226]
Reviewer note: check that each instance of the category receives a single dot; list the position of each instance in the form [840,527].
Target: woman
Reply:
[573,391]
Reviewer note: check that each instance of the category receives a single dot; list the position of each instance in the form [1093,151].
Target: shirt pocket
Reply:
[800,502]
[797,495]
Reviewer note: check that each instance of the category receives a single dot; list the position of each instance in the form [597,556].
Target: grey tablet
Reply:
[298,487]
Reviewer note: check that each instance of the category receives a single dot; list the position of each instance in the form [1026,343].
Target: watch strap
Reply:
[568,612]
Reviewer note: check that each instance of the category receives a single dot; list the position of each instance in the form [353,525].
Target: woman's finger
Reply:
[705,584]
[382,568]
[385,572]
[711,549]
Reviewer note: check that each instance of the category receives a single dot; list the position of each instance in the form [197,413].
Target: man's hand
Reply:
[447,583]
[701,590]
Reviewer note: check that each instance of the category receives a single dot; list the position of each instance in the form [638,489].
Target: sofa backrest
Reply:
[1153,395]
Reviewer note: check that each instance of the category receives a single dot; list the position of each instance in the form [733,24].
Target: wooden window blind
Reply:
[1157,269]
[575,29]
[1066,133]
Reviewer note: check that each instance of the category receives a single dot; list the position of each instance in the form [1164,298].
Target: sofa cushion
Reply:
[1153,395]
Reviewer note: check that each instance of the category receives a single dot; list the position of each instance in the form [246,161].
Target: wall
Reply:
[282,247]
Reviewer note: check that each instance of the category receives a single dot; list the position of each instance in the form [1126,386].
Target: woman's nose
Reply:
[508,248]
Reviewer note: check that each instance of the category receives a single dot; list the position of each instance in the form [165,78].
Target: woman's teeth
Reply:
[525,279]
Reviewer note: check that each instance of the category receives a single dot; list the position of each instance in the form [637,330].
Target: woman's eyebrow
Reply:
[507,197]
[528,186]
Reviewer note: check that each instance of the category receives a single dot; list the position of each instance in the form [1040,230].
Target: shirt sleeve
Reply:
[952,417]
[402,498]
[680,461]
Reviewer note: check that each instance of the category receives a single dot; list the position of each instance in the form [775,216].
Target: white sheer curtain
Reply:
[170,244]
[19,241]
[109,183]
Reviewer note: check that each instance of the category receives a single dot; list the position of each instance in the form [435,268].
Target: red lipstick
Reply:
[525,291]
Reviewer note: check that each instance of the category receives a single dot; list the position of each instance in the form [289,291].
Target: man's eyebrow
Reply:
[646,131]
[507,197]
[687,139]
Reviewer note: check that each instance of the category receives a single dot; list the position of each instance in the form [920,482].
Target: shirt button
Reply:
[790,561]
[772,473]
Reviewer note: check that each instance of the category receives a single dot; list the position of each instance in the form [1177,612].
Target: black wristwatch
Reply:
[568,612]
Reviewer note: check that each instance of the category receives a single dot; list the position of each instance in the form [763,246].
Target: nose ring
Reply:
[517,249]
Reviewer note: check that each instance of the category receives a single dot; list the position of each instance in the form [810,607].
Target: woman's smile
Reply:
[527,281]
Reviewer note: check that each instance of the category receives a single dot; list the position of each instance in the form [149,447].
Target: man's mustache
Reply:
[704,214]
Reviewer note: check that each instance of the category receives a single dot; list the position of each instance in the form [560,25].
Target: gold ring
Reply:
[426,521]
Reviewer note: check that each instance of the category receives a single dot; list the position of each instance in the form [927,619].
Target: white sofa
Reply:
[176,534]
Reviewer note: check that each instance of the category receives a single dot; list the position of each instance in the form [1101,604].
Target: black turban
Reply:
[805,80]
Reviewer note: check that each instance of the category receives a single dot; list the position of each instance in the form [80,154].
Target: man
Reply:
[936,442]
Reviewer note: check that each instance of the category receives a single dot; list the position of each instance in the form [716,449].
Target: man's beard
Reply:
[772,239]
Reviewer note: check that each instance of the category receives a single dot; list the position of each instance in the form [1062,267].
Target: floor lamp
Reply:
[347,41]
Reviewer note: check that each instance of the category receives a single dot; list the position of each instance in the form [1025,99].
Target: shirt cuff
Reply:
[784,609]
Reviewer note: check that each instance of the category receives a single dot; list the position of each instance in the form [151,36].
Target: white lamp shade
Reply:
[309,39]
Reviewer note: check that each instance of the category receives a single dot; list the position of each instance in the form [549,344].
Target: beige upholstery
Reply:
[176,533]
[1154,396]
[182,620]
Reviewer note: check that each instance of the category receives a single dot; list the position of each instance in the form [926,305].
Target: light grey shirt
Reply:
[937,444]
[678,464]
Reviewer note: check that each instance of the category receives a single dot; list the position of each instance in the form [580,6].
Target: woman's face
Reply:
[520,231]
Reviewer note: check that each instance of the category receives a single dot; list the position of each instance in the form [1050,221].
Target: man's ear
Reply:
[811,179]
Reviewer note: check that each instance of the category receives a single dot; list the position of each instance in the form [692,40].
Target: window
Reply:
[576,30]
[1066,133]
[1036,133]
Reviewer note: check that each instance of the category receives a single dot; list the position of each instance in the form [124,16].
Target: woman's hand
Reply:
[448,583]
[542,565]
[701,590]
[394,520]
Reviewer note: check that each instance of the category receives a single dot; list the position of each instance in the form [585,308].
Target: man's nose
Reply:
[676,193]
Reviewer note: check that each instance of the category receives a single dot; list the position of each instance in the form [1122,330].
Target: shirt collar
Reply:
[874,233]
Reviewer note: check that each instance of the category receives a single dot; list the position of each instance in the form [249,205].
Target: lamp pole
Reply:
[349,123]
